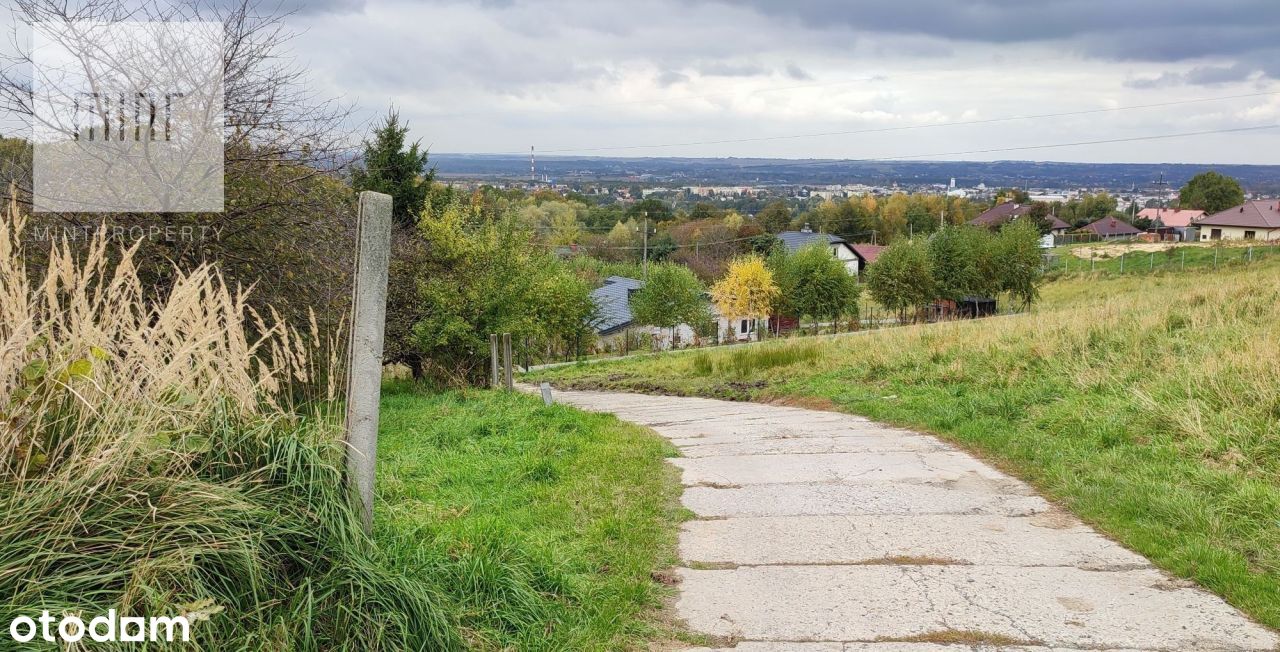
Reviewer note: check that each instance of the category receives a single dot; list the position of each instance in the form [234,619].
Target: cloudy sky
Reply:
[669,78]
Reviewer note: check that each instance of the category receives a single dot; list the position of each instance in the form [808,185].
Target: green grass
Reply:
[1149,405]
[545,527]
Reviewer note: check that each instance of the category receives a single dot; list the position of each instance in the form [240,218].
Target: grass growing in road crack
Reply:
[546,526]
[1148,405]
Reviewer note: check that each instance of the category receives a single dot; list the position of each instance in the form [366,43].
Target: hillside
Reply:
[1146,405]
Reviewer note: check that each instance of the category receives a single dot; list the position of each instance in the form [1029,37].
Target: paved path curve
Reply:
[824,532]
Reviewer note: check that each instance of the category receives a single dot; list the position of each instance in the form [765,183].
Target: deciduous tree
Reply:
[747,291]
[672,296]
[775,217]
[1020,262]
[813,283]
[1211,192]
[902,277]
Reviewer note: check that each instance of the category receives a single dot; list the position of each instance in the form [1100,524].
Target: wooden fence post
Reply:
[493,361]
[364,364]
[506,356]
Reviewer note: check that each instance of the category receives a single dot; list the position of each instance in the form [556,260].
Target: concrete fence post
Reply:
[364,364]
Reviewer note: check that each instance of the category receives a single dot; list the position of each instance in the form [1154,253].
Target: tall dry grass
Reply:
[165,455]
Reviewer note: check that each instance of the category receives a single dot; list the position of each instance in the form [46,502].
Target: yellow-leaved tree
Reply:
[747,290]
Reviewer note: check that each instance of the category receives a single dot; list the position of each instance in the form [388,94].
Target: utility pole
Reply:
[646,246]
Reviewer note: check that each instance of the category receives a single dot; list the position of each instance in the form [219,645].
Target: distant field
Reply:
[542,528]
[1147,404]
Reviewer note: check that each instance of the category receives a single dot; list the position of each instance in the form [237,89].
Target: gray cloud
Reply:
[1198,76]
[670,78]
[731,69]
[498,75]
[797,73]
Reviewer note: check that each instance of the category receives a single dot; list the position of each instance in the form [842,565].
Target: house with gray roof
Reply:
[613,304]
[840,248]
[616,327]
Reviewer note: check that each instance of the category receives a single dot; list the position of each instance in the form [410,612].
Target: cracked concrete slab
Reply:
[693,448]
[1054,606]
[721,501]
[980,540]
[890,466]
[824,532]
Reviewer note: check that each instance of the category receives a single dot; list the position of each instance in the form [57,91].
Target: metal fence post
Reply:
[364,368]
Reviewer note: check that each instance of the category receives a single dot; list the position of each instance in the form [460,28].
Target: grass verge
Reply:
[1148,405]
[545,526]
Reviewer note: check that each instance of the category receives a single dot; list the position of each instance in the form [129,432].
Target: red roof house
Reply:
[1169,217]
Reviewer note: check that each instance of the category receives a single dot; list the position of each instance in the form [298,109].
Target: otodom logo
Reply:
[106,628]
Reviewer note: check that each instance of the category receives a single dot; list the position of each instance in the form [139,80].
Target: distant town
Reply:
[746,185]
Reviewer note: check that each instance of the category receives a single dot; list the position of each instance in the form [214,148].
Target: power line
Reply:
[933,125]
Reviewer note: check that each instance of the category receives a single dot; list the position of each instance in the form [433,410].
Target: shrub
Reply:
[159,460]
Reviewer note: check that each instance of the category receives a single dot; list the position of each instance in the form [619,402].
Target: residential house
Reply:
[615,323]
[840,248]
[866,254]
[1170,220]
[997,216]
[1253,220]
[1111,228]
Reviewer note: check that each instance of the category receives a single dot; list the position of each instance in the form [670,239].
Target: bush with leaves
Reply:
[671,296]
[813,283]
[478,276]
[901,279]
[1020,261]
